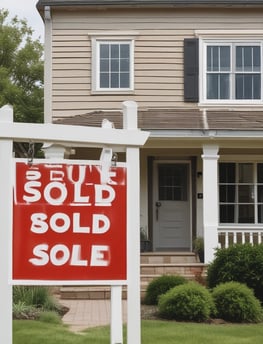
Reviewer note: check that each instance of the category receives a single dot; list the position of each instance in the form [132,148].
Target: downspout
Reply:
[48,66]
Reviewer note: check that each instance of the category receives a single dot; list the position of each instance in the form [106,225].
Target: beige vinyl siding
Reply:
[158,54]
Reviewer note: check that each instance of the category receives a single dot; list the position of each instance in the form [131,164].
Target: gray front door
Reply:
[171,208]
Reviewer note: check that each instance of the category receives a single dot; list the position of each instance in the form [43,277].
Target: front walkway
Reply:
[84,314]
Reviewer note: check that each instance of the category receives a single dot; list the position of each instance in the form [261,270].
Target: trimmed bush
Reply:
[187,302]
[235,302]
[161,285]
[240,263]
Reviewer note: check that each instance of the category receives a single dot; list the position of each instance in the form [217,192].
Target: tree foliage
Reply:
[21,70]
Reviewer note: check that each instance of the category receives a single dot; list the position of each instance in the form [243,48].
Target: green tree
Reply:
[21,70]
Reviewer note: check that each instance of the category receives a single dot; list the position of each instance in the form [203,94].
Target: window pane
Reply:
[260,213]
[213,58]
[115,48]
[227,194]
[125,51]
[104,65]
[246,194]
[256,59]
[114,83]
[248,58]
[256,86]
[104,51]
[124,65]
[218,58]
[227,213]
[260,193]
[246,214]
[225,59]
[173,182]
[212,86]
[245,173]
[218,86]
[114,65]
[260,173]
[227,172]
[224,86]
[248,86]
[104,80]
[124,80]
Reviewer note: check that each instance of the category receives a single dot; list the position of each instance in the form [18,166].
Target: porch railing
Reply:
[230,236]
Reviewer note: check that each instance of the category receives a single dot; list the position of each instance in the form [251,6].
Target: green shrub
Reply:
[50,317]
[23,311]
[31,295]
[188,302]
[240,263]
[29,300]
[161,285]
[235,302]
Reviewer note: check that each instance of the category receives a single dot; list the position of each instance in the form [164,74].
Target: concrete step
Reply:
[168,258]
[153,265]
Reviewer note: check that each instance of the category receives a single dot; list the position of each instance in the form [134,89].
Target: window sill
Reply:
[112,92]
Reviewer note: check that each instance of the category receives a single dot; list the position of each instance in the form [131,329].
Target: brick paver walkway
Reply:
[84,314]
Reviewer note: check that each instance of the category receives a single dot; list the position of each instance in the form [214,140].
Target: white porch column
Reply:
[6,200]
[210,199]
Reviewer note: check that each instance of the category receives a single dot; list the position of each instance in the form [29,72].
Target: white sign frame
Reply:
[129,138]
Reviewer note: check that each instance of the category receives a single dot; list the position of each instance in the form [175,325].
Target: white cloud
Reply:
[26,9]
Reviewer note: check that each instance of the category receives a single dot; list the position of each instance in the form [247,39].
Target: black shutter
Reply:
[191,69]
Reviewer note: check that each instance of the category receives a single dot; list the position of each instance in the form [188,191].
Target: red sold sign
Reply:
[67,226]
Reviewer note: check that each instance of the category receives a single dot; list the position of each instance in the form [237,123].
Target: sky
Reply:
[26,9]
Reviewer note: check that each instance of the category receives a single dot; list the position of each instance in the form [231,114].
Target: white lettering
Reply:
[76,225]
[100,224]
[39,251]
[29,189]
[75,258]
[55,200]
[104,195]
[59,255]
[98,255]
[39,226]
[59,222]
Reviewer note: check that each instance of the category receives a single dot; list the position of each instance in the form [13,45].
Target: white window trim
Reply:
[111,36]
[225,37]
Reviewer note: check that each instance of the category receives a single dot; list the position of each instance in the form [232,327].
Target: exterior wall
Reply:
[158,60]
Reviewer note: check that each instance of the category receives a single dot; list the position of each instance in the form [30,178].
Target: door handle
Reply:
[157,204]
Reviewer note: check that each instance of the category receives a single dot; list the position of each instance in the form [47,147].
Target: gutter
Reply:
[147,3]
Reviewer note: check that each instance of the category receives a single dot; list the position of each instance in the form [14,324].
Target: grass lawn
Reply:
[157,332]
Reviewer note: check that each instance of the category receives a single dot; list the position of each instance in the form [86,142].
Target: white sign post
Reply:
[6,146]
[129,138]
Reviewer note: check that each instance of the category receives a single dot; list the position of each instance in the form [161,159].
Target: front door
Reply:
[171,207]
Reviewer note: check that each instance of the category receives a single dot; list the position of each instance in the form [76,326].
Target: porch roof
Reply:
[176,119]
[42,3]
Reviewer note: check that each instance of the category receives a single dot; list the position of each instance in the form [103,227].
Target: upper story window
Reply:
[233,71]
[112,65]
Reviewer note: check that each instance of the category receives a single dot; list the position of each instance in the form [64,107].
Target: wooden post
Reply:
[133,229]
[116,315]
[6,146]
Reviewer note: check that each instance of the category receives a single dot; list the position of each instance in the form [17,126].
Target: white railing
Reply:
[231,236]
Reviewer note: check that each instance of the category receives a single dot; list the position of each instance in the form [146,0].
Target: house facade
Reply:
[195,70]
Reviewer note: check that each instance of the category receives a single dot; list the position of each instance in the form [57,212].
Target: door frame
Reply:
[155,192]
